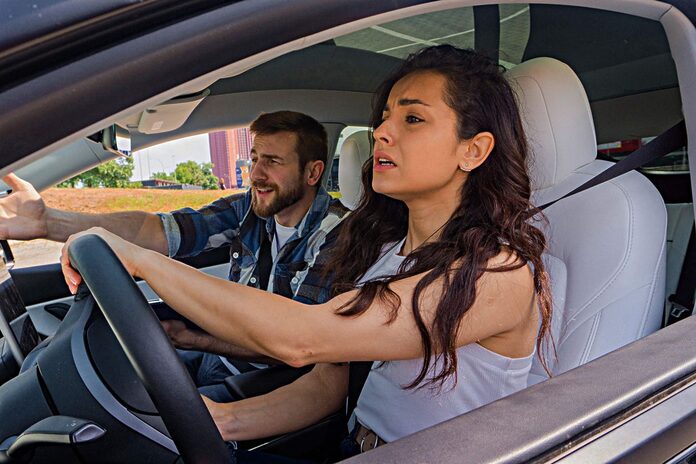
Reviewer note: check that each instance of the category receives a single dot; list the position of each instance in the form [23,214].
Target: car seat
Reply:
[356,149]
[606,245]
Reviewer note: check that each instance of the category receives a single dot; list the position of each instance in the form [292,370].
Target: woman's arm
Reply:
[299,334]
[191,339]
[304,402]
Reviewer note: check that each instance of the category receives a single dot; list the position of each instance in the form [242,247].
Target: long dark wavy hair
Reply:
[493,213]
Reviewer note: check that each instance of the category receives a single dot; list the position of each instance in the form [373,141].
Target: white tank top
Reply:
[482,377]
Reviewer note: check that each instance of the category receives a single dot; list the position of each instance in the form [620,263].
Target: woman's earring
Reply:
[465,168]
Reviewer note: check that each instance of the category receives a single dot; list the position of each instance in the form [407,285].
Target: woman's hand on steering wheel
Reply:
[126,252]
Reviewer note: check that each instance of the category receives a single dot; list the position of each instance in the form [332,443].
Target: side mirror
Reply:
[116,139]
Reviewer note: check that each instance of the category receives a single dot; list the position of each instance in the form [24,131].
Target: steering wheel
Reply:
[149,351]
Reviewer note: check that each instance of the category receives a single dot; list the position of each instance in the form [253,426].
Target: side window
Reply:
[674,162]
[191,171]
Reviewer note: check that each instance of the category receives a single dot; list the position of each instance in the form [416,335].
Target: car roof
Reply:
[623,62]
[24,23]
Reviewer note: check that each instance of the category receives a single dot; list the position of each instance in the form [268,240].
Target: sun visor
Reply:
[170,115]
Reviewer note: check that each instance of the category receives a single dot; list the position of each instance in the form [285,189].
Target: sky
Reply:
[166,156]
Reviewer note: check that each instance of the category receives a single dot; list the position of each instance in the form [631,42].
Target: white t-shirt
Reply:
[281,236]
[482,377]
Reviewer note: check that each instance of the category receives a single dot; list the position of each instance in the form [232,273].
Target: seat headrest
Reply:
[557,119]
[355,151]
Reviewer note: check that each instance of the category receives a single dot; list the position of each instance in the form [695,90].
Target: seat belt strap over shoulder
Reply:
[357,376]
[265,262]
[672,139]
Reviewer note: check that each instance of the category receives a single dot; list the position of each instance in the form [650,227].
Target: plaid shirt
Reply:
[296,271]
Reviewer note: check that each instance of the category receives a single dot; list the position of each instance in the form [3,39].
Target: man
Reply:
[275,232]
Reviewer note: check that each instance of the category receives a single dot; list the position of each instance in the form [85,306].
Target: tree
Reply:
[115,174]
[190,172]
[163,176]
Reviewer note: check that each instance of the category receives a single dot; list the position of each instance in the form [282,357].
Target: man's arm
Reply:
[187,339]
[139,227]
[289,408]
[25,216]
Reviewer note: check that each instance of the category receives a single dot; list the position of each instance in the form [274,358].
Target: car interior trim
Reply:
[681,457]
[681,35]
[634,440]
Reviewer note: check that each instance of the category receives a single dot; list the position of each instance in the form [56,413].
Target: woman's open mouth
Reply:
[383,162]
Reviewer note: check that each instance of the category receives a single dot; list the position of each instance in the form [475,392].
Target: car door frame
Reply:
[551,421]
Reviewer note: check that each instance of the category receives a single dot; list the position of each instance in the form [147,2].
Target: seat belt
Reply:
[357,376]
[265,262]
[263,266]
[683,299]
[667,142]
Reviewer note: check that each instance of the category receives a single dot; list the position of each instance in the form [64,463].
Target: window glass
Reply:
[188,172]
[674,162]
[404,36]
[514,33]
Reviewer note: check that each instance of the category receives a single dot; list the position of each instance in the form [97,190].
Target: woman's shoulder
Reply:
[503,313]
[508,271]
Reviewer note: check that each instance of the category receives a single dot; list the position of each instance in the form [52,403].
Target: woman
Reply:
[452,296]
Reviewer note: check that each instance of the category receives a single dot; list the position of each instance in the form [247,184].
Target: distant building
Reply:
[241,146]
[220,157]
[226,147]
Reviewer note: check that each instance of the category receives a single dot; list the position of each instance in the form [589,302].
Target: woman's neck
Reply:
[426,221]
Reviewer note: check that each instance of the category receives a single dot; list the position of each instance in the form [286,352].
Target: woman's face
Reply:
[417,152]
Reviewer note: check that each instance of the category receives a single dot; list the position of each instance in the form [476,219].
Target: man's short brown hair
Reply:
[311,136]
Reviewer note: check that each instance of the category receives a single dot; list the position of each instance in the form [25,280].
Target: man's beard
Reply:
[282,200]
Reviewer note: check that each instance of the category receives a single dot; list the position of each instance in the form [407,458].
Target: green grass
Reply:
[142,200]
[150,200]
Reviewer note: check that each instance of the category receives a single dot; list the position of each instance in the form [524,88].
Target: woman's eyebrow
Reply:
[406,102]
[411,101]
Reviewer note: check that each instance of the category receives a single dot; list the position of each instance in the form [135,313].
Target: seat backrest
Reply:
[606,245]
[356,149]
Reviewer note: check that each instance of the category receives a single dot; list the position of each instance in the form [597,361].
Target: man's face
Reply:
[276,179]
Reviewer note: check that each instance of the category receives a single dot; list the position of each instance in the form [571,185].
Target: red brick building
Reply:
[226,147]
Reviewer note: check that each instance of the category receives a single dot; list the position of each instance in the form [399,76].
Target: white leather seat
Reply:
[606,251]
[356,149]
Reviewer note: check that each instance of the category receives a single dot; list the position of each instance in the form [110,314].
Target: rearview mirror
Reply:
[117,139]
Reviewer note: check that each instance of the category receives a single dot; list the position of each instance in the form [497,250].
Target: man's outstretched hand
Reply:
[23,212]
